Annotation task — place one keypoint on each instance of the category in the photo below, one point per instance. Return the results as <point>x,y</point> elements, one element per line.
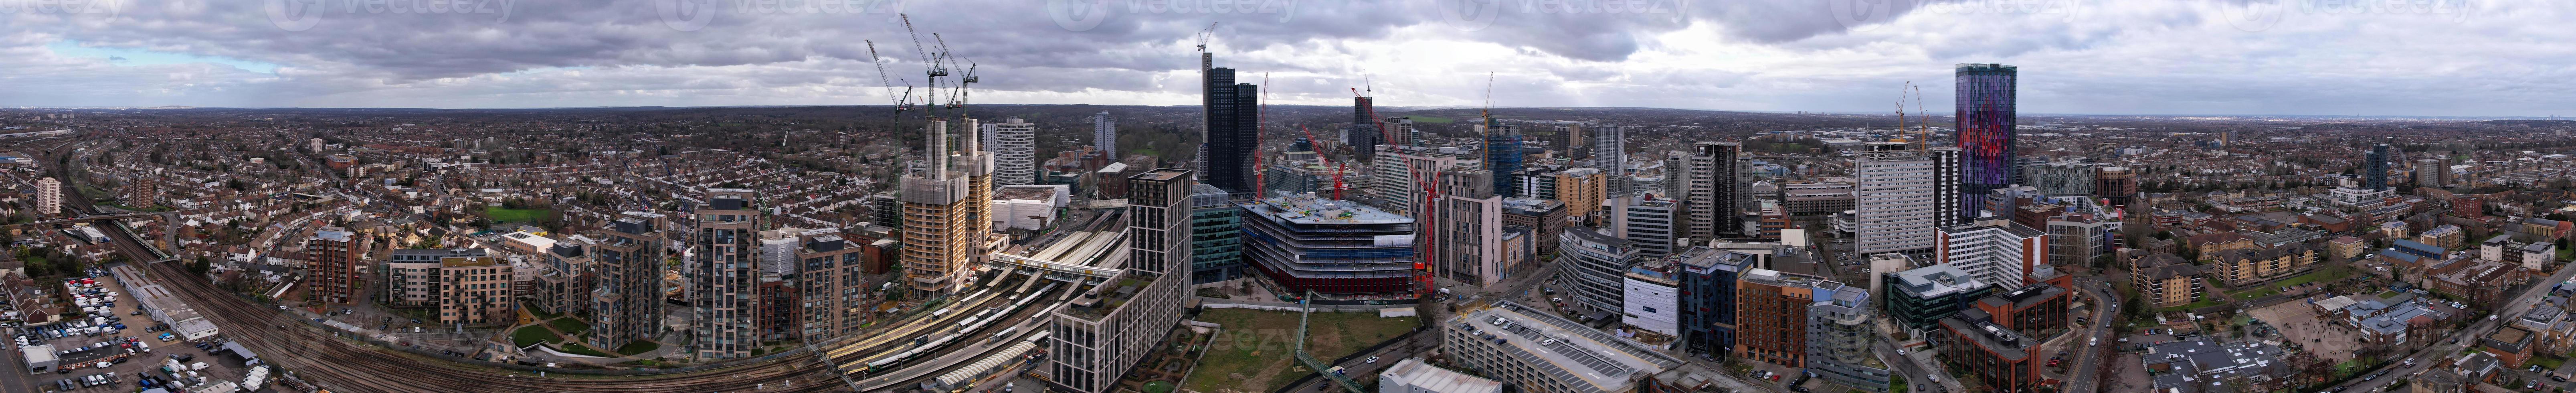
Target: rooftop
<point>1313,210</point>
<point>1936,281</point>
<point>1163,174</point>
<point>1582,354</point>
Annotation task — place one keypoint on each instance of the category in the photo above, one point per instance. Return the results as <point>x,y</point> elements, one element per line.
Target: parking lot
<point>2299,323</point>
<point>138,349</point>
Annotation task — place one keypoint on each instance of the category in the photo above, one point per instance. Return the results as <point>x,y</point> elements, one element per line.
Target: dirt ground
<point>2300,323</point>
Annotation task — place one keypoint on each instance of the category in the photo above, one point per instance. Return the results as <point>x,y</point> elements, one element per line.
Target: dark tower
<point>1363,132</point>
<point>1232,113</point>
<point>1985,129</point>
<point>2375,168</point>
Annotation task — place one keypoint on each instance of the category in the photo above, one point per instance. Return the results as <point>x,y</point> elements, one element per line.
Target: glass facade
<point>1985,128</point>
<point>1233,118</point>
<point>1216,236</point>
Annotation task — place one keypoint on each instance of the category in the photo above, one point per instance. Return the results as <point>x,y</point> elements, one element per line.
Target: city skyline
<point>2211,58</point>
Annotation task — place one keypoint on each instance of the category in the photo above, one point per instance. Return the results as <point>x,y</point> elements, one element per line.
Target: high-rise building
<point>1771,311</point>
<point>1106,330</point>
<point>475,290</point>
<point>1649,221</point>
<point>1364,132</point>
<point>1233,130</point>
<point>1839,333</point>
<point>314,144</point>
<point>1708,280</point>
<point>1400,171</point>
<point>335,254</point>
<point>1610,154</point>
<point>1985,100</point>
<point>1537,351</point>
<point>140,193</point>
<point>1713,190</point>
<point>1544,217</point>
<point>2374,166</point>
<point>832,302</point>
<point>627,305</point>
<point>945,220</point>
<point>2428,172</point>
<point>1015,151</point>
<point>722,287</point>
<point>1895,199</point>
<point>1216,235</point>
<point>1502,157</point>
<point>1104,133</point>
<point>1468,245</point>
<point>2117,184</point>
<point>49,196</point>
<point>1598,260</point>
<point>1583,190</point>
<point>1920,298</point>
<point>2062,178</point>
<point>1996,251</point>
<point>1308,243</point>
<point>1951,202</point>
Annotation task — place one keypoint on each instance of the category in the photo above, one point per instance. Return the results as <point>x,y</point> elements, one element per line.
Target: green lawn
<point>1431,119</point>
<point>2205,302</point>
<point>2548,362</point>
<point>569,326</point>
<point>1252,353</point>
<point>639,346</point>
<point>2321,275</point>
<point>532,335</point>
<point>578,349</point>
<point>514,215</point>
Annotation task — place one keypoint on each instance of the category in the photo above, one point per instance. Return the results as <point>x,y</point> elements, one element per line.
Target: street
<point>2462,338</point>
<point>2081,377</point>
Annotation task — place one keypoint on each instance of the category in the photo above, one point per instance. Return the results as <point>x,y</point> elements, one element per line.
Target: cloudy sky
<point>2321,57</point>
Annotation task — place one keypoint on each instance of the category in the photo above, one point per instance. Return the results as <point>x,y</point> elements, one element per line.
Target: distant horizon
<point>1381,107</point>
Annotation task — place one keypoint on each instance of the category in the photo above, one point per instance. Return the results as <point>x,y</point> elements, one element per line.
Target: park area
<point>522,216</point>
<point>1252,354</point>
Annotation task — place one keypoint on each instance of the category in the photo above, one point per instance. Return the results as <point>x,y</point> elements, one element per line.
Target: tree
<point>201,266</point>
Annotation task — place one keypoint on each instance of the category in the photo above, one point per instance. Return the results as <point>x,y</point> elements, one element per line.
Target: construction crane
<point>1337,180</point>
<point>901,103</point>
<point>1206,60</point>
<point>1489,101</point>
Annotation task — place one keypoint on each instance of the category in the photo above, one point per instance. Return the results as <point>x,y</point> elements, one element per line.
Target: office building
<point>1544,218</point>
<point>1996,251</point>
<point>1712,190</point>
<point>475,290</point>
<point>1308,243</point>
<point>1816,198</point>
<point>1411,375</point>
<point>1598,262</point>
<point>1216,236</point>
<point>1920,298</point>
<point>627,305</point>
<point>1233,126</point>
<point>2037,309</point>
<point>2062,178</point>
<point>1771,314</point>
<point>1106,330</point>
<point>1610,155</point>
<point>1985,100</point>
<point>1364,132</point>
<point>1839,334</point>
<point>2004,359</point>
<point>335,254</point>
<point>1104,133</point>
<point>1708,281</point>
<point>2083,239</point>
<point>1014,145</point>
<point>726,274</point>
<point>1894,198</point>
<point>2118,184</point>
<point>1536,351</point>
<point>1468,246</point>
<point>49,196</point>
<point>411,275</point>
<point>2374,168</point>
<point>946,209</point>
<point>1650,299</point>
<point>1582,190</point>
<point>1649,221</point>
<point>1502,156</point>
<point>1400,171</point>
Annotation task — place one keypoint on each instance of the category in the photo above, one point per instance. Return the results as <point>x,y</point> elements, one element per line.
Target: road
<point>2088,358</point>
<point>2461,339</point>
<point>1914,374</point>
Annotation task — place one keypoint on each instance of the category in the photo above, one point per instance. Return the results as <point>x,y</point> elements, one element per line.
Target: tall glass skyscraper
<point>1985,128</point>
<point>2375,168</point>
<point>1502,157</point>
<point>1233,118</point>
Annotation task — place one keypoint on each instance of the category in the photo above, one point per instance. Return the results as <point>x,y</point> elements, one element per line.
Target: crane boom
<point>899,104</point>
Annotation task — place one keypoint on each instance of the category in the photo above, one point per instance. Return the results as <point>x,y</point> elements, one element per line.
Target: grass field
<point>531,335</point>
<point>1252,353</point>
<point>514,215</point>
<point>569,326</point>
<point>639,346</point>
<point>2321,275</point>
<point>1431,119</point>
<point>2193,305</point>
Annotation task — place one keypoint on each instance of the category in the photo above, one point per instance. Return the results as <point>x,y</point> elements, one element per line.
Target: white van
<point>2097,341</point>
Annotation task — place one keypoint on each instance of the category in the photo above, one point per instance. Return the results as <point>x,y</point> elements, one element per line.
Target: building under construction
<point>1307,242</point>
<point>945,206</point>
